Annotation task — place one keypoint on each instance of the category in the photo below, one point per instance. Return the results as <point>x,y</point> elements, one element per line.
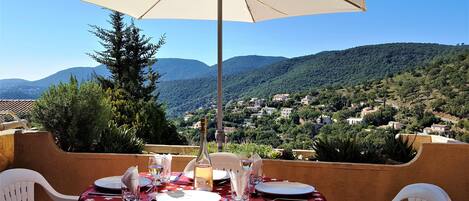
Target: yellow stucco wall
<point>6,149</point>
<point>445,165</point>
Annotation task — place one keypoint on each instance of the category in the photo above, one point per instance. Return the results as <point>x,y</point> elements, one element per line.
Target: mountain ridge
<point>262,76</point>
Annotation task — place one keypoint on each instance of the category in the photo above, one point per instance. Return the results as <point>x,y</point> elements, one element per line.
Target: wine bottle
<point>203,171</point>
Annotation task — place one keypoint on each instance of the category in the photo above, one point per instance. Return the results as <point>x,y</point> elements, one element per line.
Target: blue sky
<point>38,38</point>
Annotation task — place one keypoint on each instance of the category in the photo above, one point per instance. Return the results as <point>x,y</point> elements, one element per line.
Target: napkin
<point>256,165</point>
<point>130,179</point>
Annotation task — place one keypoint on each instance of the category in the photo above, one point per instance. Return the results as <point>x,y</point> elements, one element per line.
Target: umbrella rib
<point>151,7</point>
<point>249,10</point>
<point>356,5</point>
<point>269,6</point>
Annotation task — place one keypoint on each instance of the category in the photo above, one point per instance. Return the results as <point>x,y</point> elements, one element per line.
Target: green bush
<point>398,149</point>
<point>120,140</point>
<point>463,137</point>
<point>76,114</point>
<point>287,154</point>
<point>146,117</point>
<point>346,150</point>
<point>264,151</point>
<point>381,117</point>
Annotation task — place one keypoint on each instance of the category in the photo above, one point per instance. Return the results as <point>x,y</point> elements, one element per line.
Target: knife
<point>177,177</point>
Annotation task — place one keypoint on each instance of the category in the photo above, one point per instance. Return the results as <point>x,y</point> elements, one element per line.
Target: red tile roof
<point>16,105</point>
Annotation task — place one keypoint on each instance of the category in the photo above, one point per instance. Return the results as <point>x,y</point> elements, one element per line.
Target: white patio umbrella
<point>229,10</point>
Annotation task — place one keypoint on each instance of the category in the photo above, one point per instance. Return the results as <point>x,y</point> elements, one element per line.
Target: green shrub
<point>264,151</point>
<point>381,117</point>
<point>346,150</point>
<point>287,154</point>
<point>120,140</point>
<point>398,149</point>
<point>75,114</point>
<point>146,117</point>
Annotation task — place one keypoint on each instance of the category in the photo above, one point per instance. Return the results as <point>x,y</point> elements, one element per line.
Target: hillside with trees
<point>363,118</point>
<point>330,68</point>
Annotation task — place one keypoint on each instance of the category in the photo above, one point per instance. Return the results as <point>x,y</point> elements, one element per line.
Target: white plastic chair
<point>422,192</point>
<point>18,185</point>
<point>220,161</point>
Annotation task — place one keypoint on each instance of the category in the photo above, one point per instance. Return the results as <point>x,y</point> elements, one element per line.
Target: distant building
<point>17,106</point>
<point>286,112</point>
<point>440,129</point>
<point>20,107</point>
<point>188,116</point>
<point>324,119</point>
<point>256,102</point>
<point>229,130</point>
<point>240,103</point>
<point>256,115</point>
<point>367,110</point>
<point>253,108</point>
<point>354,120</point>
<point>280,97</point>
<point>197,125</point>
<point>307,100</point>
<point>395,125</point>
<point>436,128</point>
<point>248,125</point>
<point>427,131</point>
<point>268,110</point>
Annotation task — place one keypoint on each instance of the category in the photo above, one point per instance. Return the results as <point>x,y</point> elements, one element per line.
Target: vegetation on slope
<point>331,68</point>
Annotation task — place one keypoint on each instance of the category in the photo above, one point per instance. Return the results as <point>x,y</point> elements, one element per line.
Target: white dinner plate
<point>191,195</point>
<point>217,175</point>
<point>115,183</point>
<point>284,188</point>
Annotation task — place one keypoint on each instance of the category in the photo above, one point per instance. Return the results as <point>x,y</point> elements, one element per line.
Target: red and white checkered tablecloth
<point>184,183</point>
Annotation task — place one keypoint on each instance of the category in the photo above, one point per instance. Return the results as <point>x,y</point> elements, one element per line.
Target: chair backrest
<point>422,192</point>
<point>18,184</point>
<point>220,161</point>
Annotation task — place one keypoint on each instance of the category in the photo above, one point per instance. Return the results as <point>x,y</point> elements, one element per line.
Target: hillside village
<point>367,110</point>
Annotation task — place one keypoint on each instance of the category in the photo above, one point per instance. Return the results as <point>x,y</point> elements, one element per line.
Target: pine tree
<point>129,55</point>
<point>113,55</point>
<point>140,56</point>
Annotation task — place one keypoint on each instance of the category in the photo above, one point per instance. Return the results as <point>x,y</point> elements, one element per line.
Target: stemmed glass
<point>246,164</point>
<point>155,168</point>
<point>246,161</point>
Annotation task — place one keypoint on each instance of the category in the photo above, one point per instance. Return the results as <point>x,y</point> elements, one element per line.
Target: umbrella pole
<point>220,136</point>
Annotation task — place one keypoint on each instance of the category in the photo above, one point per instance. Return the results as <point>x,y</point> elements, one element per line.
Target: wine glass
<point>246,161</point>
<point>155,168</point>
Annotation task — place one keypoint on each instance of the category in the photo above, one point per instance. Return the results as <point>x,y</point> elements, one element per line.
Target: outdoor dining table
<point>184,183</point>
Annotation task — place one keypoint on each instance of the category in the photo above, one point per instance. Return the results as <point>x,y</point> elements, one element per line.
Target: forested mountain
<point>169,69</point>
<point>242,64</point>
<point>189,84</point>
<point>330,68</point>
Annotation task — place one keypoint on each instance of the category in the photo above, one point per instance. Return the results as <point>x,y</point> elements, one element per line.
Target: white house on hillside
<point>280,97</point>
<point>197,125</point>
<point>286,112</point>
<point>307,100</point>
<point>354,120</point>
<point>395,125</point>
<point>268,110</point>
<point>188,116</point>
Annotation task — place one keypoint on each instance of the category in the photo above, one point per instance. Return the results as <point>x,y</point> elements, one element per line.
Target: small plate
<point>191,195</point>
<point>218,175</point>
<point>284,188</point>
<point>115,183</point>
